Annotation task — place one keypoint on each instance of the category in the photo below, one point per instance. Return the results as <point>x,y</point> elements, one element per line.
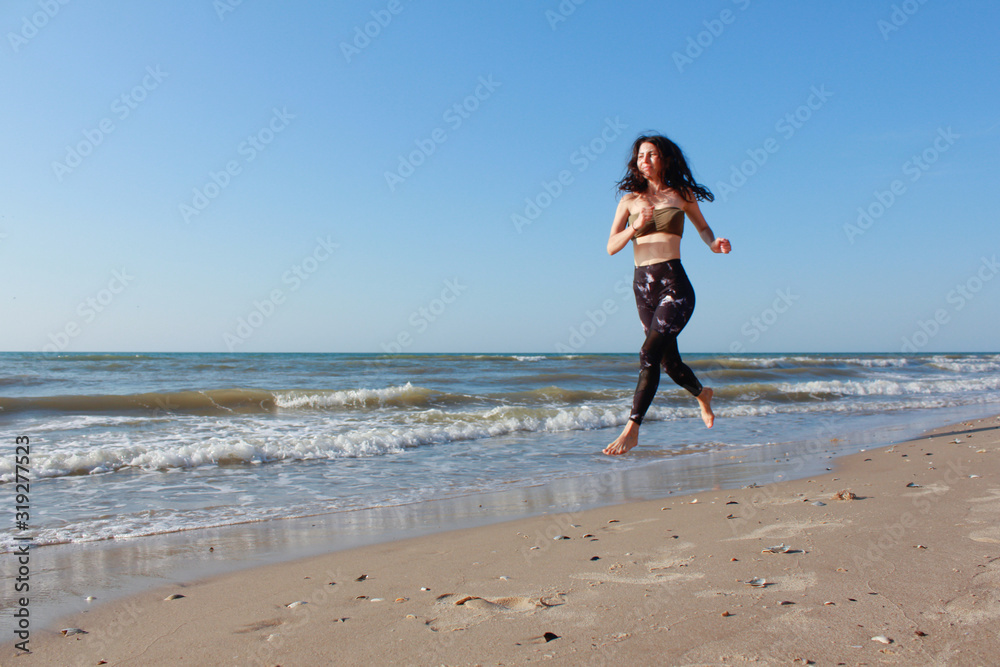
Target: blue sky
<point>415,176</point>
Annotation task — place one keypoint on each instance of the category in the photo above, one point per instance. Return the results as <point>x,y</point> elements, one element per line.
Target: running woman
<point>659,191</point>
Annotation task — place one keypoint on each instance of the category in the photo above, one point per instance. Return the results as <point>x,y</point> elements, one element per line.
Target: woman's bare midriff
<point>656,247</point>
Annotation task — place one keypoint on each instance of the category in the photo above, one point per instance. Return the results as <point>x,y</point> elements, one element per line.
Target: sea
<point>131,445</point>
<point>134,447</point>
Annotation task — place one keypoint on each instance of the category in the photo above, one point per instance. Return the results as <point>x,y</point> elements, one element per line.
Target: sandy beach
<point>904,570</point>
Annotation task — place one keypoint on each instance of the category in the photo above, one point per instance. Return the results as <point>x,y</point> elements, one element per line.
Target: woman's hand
<point>645,217</point>
<point>722,246</point>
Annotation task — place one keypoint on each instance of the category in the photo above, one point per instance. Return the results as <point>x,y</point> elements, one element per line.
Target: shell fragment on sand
<point>66,632</point>
<point>845,494</point>
<point>175,596</point>
<point>758,582</point>
<point>881,639</point>
<point>777,549</point>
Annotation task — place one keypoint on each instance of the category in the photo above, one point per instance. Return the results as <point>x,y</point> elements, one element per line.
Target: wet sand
<point>907,572</point>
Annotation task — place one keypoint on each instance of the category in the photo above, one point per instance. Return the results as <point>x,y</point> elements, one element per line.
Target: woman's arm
<point>621,231</point>
<point>698,220</point>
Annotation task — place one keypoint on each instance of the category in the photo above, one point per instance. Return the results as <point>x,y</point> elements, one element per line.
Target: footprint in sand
<point>259,625</point>
<point>980,605</point>
<point>983,511</point>
<point>458,612</point>
<point>786,530</point>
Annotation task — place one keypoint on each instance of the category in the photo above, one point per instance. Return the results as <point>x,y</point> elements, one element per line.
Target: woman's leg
<point>665,301</point>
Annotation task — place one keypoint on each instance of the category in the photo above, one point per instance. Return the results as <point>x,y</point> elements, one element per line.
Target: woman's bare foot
<point>626,441</point>
<point>705,402</point>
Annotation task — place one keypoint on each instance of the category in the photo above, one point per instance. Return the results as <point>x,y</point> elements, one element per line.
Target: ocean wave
<point>397,396</point>
<point>890,387</point>
<point>214,401</point>
<point>973,366</point>
<point>249,443</point>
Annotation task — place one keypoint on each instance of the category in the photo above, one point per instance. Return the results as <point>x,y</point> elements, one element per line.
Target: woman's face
<point>648,161</point>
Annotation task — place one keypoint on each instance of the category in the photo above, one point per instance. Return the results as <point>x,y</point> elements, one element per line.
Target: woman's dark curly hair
<point>676,173</point>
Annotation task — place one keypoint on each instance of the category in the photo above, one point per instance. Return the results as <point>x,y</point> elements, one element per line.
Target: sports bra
<point>669,219</point>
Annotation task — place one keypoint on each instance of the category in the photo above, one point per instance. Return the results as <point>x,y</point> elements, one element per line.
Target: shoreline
<point>541,589</point>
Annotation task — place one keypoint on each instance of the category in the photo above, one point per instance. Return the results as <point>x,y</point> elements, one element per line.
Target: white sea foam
<point>348,397</point>
<point>891,387</point>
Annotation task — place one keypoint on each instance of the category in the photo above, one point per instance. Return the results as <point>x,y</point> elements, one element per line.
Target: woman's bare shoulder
<point>629,200</point>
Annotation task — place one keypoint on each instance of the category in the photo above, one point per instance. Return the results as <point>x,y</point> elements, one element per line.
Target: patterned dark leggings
<point>665,299</point>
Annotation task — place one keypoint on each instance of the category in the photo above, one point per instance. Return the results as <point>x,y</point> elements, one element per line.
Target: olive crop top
<point>669,219</point>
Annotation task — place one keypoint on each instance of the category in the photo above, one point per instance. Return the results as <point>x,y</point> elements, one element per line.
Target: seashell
<point>362,577</point>
<point>361,597</point>
<point>845,494</point>
<point>377,600</point>
<point>726,614</point>
<point>410,616</point>
<point>401,599</point>
<point>730,517</point>
<point>504,577</point>
<point>90,598</point>
<point>532,548</point>
<point>785,602</point>
<point>424,588</point>
<point>693,502</point>
<point>829,603</point>
<point>956,441</point>
<point>588,535</point>
<point>613,521</point>
<point>297,603</point>
<point>72,631</point>
<point>920,633</point>
<point>819,503</point>
<point>175,596</point>
<point>561,537</point>
<point>882,639</point>
<point>913,485</point>
<point>973,476</point>
<point>777,549</point>
<point>595,558</point>
<point>732,502</point>
<point>461,601</point>
<point>758,582</point>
